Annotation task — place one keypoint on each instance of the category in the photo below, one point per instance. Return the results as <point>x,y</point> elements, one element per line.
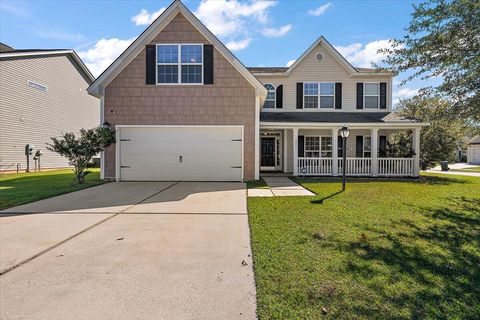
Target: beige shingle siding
<point>229,101</point>
<point>328,70</point>
<point>28,115</point>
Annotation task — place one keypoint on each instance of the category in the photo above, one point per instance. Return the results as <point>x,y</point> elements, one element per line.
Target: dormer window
<point>270,101</point>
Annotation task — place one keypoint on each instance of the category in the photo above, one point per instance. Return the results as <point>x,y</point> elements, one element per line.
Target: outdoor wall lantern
<point>344,132</point>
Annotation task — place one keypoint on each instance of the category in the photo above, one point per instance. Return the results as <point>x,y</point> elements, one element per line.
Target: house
<point>42,95</point>
<point>185,108</point>
<point>473,150</point>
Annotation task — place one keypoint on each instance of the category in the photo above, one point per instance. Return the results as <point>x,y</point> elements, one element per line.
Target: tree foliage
<point>443,40</point>
<point>79,150</point>
<point>439,140</point>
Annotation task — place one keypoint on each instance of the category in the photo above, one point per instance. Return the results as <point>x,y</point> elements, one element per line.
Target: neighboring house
<point>185,108</point>
<point>473,150</point>
<point>461,150</point>
<point>42,95</point>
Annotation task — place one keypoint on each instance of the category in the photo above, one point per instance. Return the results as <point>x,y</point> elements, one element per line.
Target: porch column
<point>285,152</point>
<point>295,151</point>
<point>374,151</point>
<point>335,151</point>
<point>416,149</point>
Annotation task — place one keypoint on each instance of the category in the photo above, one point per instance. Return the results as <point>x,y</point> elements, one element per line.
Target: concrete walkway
<point>280,187</point>
<point>457,166</point>
<point>129,251</point>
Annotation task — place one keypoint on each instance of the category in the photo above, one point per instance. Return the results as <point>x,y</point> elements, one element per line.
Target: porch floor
<point>279,187</point>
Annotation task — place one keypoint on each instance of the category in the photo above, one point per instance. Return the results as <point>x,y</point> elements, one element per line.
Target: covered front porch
<point>316,150</point>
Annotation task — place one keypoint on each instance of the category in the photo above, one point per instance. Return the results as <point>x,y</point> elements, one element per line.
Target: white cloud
<point>50,33</point>
<point>363,56</point>
<point>103,53</point>
<point>145,18</point>
<point>226,18</point>
<point>403,93</point>
<point>239,45</point>
<point>290,62</point>
<point>278,32</point>
<point>320,10</point>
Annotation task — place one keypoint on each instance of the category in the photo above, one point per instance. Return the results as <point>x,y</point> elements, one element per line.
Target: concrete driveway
<point>129,251</point>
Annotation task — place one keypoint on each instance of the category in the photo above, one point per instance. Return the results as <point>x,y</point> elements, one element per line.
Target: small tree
<point>80,150</point>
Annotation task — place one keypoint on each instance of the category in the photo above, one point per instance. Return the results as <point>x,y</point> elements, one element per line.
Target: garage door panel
<point>178,134</point>
<point>207,153</point>
<point>179,147</point>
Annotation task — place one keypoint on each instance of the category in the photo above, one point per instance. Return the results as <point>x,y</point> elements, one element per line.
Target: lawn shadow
<point>428,180</point>
<point>429,267</point>
<point>320,201</point>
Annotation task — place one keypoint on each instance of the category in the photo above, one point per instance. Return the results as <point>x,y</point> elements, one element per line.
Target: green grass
<point>471,169</point>
<point>21,188</point>
<point>401,249</point>
<point>257,184</point>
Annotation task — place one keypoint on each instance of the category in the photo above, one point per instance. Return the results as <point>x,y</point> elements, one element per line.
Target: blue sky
<point>261,33</point>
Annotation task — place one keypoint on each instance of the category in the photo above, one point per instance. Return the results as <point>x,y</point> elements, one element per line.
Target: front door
<point>267,155</point>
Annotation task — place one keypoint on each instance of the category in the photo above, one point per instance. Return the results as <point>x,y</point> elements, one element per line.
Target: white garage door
<point>181,153</point>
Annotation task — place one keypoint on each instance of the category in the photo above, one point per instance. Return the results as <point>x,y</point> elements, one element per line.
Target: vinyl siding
<point>229,101</point>
<point>28,115</point>
<point>328,70</point>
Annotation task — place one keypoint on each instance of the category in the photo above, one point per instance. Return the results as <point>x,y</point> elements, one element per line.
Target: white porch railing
<point>395,166</point>
<point>315,166</point>
<point>357,167</point>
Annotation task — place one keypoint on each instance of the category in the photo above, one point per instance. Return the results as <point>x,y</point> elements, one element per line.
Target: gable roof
<point>338,57</point>
<point>33,53</point>
<point>475,140</point>
<point>96,88</point>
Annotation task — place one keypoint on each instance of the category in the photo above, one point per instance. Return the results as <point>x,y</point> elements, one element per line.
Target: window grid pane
<point>167,74</point>
<point>371,102</point>
<point>312,147</point>
<point>310,102</point>
<point>167,54</point>
<point>310,89</point>
<point>191,54</point>
<point>192,74</point>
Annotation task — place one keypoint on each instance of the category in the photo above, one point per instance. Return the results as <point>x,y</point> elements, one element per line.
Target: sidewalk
<point>454,167</point>
<point>280,187</point>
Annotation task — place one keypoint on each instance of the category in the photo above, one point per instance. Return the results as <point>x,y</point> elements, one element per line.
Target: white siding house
<point>42,95</point>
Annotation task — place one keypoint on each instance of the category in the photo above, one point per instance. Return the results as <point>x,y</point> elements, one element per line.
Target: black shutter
<point>383,146</point>
<point>150,64</point>
<point>338,95</point>
<point>359,95</point>
<point>299,95</point>
<point>279,96</point>
<point>359,149</point>
<point>340,146</point>
<point>207,64</point>
<point>301,146</point>
<point>383,95</point>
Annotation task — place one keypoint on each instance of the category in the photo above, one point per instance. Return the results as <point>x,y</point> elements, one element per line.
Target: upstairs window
<point>179,63</point>
<point>270,101</point>
<point>371,95</point>
<point>318,95</point>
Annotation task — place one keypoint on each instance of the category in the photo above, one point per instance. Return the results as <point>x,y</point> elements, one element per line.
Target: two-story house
<point>185,108</point>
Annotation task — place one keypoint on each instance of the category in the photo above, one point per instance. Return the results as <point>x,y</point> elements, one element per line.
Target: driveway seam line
<point>2,272</point>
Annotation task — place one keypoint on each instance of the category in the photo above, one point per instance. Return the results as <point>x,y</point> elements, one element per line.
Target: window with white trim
<point>271,96</point>
<point>326,147</point>
<point>179,63</point>
<point>371,95</point>
<point>318,146</point>
<point>318,95</point>
<point>367,147</point>
<point>312,147</point>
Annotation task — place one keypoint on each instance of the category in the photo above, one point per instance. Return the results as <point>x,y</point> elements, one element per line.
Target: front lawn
<point>381,250</point>
<point>20,188</point>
